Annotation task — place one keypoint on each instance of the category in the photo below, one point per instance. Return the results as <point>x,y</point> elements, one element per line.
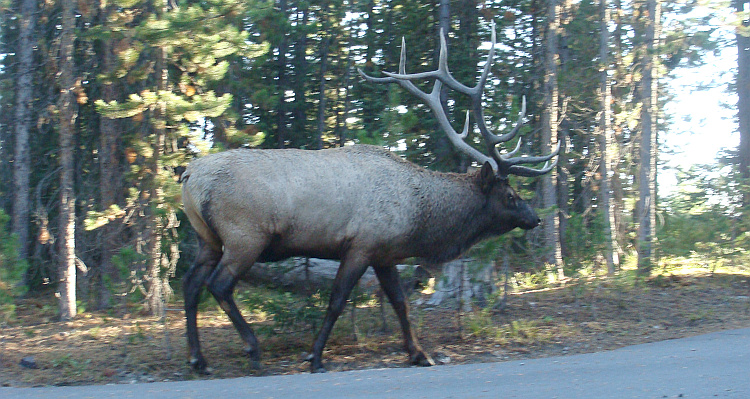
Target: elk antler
<point>503,164</point>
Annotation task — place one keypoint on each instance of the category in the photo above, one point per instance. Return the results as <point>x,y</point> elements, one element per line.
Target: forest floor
<point>579,316</point>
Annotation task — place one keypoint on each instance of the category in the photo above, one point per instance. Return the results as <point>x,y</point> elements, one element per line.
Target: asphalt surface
<point>706,366</point>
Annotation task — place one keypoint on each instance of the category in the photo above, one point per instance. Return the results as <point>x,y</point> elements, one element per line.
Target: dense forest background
<point>105,102</point>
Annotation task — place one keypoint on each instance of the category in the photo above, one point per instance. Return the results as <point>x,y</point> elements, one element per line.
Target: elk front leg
<point>351,270</point>
<point>391,285</point>
<point>192,284</point>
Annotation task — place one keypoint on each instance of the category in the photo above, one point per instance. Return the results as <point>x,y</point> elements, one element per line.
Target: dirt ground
<point>584,315</point>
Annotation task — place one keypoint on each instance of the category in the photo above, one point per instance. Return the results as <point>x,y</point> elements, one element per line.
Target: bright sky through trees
<point>703,113</point>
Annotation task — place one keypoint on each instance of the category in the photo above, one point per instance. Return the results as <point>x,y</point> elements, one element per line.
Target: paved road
<point>706,366</point>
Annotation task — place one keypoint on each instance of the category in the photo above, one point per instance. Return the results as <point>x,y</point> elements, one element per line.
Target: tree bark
<point>743,94</point>
<point>550,135</point>
<point>647,182</point>
<point>23,106</point>
<point>619,99</point>
<point>344,132</point>
<point>155,226</point>
<point>301,77</point>
<point>281,117</point>
<point>322,95</point>
<point>108,175</point>
<point>306,275</point>
<point>606,139</point>
<point>444,151</point>
<point>67,116</point>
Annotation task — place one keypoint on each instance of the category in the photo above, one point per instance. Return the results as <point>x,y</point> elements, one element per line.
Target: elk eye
<point>511,199</point>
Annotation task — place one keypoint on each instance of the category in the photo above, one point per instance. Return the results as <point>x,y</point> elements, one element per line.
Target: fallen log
<point>461,278</point>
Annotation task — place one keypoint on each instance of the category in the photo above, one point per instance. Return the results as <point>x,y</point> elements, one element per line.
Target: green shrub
<point>287,311</point>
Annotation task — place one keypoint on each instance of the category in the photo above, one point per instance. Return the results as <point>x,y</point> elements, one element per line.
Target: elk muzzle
<point>528,217</point>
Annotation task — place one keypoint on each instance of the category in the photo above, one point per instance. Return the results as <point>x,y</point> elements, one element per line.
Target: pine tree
<point>66,121</point>
<point>743,89</point>
<point>172,57</point>
<point>23,110</point>
<point>550,135</point>
<point>646,216</point>
<point>606,139</point>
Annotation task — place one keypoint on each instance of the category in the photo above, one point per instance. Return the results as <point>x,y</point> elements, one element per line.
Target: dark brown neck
<point>453,217</point>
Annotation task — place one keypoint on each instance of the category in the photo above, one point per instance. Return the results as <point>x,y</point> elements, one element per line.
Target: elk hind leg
<point>391,285</point>
<point>221,285</point>
<point>192,285</point>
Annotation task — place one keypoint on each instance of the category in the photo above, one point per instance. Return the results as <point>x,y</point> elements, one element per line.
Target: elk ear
<point>486,177</point>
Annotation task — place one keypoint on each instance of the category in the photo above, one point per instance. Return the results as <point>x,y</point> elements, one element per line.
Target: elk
<point>359,204</point>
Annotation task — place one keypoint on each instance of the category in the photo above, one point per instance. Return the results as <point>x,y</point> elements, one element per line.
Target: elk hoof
<point>254,355</point>
<point>318,370</point>
<point>255,364</point>
<point>200,366</point>
<point>422,359</point>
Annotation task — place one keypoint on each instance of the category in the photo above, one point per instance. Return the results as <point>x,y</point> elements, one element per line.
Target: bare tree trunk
<point>649,92</point>
<point>301,77</point>
<point>564,125</point>
<point>344,133</point>
<point>743,94</point>
<point>108,177</point>
<point>607,140</point>
<point>281,117</point>
<point>550,135</point>
<point>444,21</point>
<point>444,150</point>
<point>618,194</point>
<point>66,108</point>
<point>322,95</point>
<point>24,103</point>
<point>155,226</point>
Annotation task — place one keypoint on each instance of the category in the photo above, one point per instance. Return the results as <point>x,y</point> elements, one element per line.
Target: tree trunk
<point>281,117</point>
<point>606,139</point>
<point>564,125</point>
<point>743,94</point>
<point>301,76</point>
<point>444,151</point>
<point>550,136</point>
<point>322,94</point>
<point>618,194</point>
<point>647,207</point>
<point>155,226</point>
<point>465,281</point>
<point>67,115</point>
<point>307,275</point>
<point>108,176</point>
<point>344,132</point>
<point>468,16</point>
<point>23,106</point>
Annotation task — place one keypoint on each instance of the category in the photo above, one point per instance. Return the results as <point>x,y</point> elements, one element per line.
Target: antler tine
<point>527,159</point>
<point>465,132</point>
<point>490,138</point>
<point>515,150</point>
<point>510,166</point>
<point>442,73</point>
<point>494,139</point>
<point>525,171</point>
<point>402,59</point>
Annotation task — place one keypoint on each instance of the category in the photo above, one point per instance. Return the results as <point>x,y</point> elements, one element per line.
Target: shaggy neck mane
<point>453,215</point>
